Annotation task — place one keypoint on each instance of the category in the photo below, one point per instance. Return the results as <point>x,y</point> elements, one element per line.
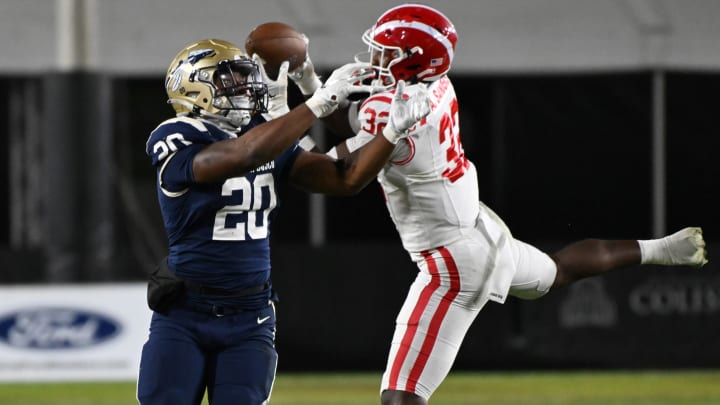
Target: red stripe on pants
<point>435,322</point>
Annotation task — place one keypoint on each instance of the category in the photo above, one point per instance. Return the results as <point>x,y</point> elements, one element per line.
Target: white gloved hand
<point>344,81</point>
<point>304,75</point>
<point>405,111</point>
<point>277,89</point>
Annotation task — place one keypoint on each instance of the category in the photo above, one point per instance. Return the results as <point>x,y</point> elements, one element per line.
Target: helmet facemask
<point>239,90</point>
<point>382,58</point>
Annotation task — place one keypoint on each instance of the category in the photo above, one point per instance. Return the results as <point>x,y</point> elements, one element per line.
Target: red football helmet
<point>411,42</point>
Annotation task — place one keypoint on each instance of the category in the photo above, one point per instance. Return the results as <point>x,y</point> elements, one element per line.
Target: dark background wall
<point>560,157</point>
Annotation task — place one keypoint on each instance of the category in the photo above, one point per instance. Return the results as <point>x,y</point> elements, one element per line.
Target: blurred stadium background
<point>585,118</point>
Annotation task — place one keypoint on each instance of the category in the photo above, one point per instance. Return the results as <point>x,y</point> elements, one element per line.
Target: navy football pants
<point>233,356</point>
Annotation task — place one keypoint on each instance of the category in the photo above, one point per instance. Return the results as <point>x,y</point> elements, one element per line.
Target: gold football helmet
<point>215,79</point>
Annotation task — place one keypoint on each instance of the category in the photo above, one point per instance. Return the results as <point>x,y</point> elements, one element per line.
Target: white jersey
<point>431,189</point>
<point>464,252</point>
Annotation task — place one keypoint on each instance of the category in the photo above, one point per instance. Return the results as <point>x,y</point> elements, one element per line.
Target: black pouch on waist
<point>163,288</point>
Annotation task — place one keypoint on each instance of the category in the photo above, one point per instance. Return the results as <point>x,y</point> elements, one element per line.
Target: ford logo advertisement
<point>56,328</point>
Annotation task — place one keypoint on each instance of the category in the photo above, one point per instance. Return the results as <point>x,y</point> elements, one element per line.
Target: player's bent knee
<point>539,283</point>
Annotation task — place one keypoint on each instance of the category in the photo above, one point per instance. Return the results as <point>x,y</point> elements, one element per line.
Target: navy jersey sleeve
<point>290,156</point>
<point>177,172</point>
<point>173,145</point>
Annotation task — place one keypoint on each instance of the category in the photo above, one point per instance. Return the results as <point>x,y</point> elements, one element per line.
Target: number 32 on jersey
<point>448,136</point>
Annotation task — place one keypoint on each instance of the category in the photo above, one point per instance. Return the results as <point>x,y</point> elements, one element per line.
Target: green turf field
<point>556,388</point>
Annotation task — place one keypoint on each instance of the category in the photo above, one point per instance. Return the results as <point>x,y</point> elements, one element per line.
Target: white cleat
<point>686,247</point>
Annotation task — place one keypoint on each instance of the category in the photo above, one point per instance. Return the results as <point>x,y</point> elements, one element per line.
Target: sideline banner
<point>87,332</point>
<point>639,318</point>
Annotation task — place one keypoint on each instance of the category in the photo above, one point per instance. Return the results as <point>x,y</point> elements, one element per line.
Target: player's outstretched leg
<point>685,247</point>
<point>591,257</point>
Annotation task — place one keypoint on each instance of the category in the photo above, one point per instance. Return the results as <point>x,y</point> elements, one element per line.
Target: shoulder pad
<point>177,133</point>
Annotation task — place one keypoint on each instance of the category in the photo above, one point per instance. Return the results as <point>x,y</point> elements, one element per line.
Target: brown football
<point>276,42</point>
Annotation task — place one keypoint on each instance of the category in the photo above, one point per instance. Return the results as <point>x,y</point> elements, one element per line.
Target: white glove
<point>405,111</point>
<point>344,81</point>
<point>304,75</point>
<point>277,89</point>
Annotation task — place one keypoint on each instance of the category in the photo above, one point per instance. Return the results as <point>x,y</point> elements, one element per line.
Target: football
<point>276,42</point>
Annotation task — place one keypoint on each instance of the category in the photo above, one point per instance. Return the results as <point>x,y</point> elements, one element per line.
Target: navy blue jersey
<point>219,233</point>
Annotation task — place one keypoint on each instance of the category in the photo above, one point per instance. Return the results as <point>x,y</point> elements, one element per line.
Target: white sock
<point>654,251</point>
